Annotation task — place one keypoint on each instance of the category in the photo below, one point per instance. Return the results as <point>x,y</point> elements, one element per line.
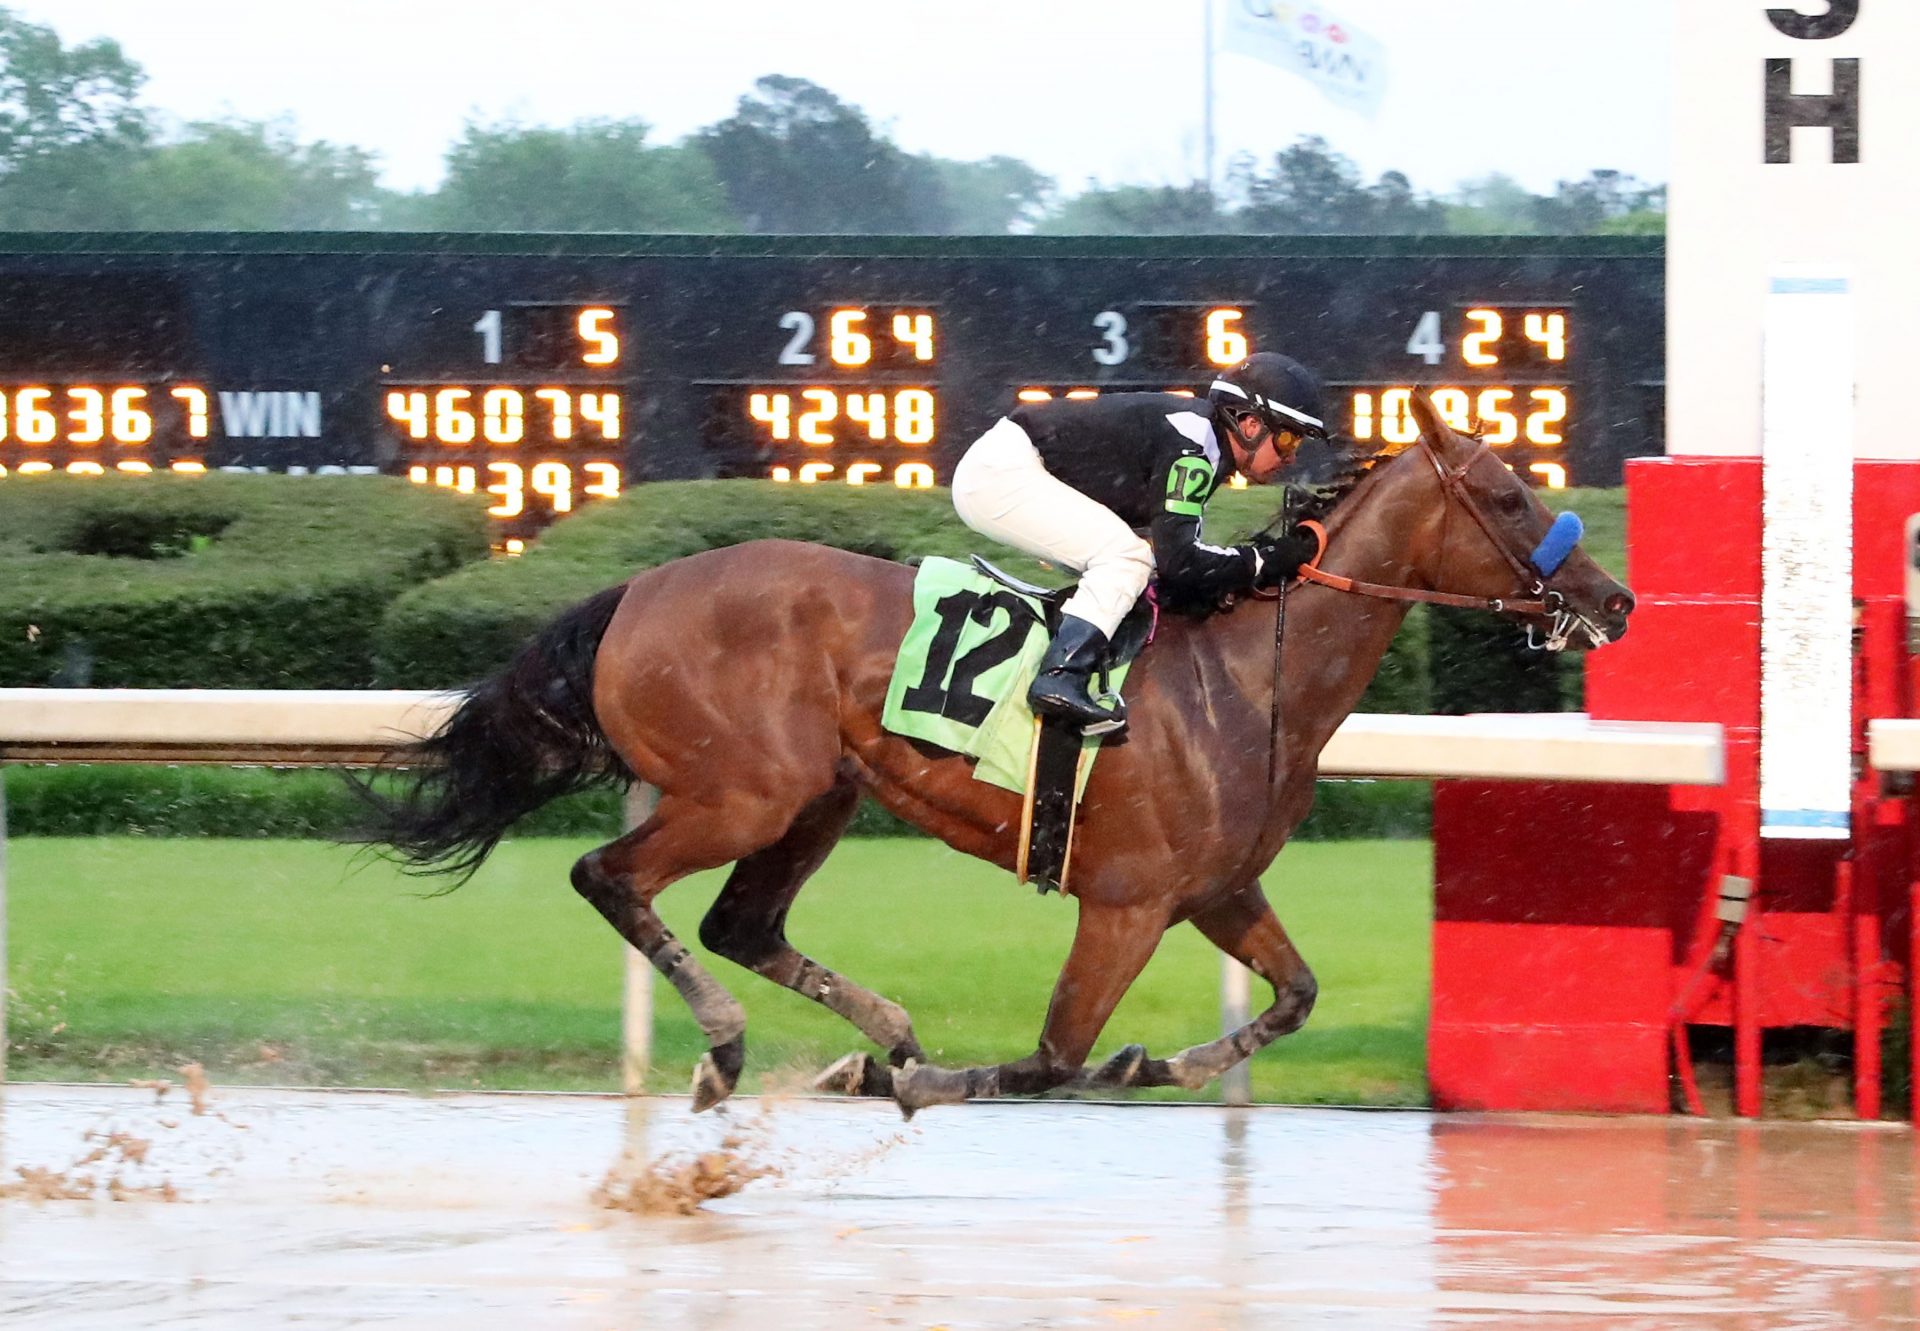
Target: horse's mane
<point>1319,500</point>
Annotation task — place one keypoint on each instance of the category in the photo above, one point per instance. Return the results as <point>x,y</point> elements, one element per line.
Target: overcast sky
<point>1082,89</point>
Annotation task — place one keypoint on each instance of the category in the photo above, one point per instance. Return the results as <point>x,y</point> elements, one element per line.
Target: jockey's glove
<point>1279,556</point>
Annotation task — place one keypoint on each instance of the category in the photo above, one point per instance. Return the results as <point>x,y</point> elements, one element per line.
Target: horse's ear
<point>1431,426</point>
<point>1443,438</point>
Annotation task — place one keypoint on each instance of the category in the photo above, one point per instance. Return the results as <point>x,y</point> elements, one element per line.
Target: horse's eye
<point>1511,502</point>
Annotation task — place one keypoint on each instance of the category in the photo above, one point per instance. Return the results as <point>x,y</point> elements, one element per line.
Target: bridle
<point>1532,596</point>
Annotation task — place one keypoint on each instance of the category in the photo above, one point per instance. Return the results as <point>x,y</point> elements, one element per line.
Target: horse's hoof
<point>856,1074</point>
<point>717,1073</point>
<point>1123,1069</point>
<point>918,1085</point>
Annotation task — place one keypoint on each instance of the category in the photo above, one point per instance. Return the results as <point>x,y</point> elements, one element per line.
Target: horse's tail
<point>521,738</point>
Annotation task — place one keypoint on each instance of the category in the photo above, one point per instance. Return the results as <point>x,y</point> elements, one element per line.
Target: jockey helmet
<point>1281,391</point>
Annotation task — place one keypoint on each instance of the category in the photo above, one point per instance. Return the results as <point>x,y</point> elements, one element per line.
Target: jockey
<point>1072,481</point>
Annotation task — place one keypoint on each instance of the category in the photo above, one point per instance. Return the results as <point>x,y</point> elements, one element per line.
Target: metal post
<point>636,1005</point>
<point>1206,92</point>
<point>1236,1083</point>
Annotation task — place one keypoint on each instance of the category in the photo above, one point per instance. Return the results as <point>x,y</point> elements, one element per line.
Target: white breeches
<point>1002,489</point>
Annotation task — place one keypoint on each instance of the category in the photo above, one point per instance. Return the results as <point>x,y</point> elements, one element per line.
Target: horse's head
<point>1494,540</point>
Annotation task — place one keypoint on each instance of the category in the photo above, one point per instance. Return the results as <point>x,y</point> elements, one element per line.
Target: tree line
<point>79,151</point>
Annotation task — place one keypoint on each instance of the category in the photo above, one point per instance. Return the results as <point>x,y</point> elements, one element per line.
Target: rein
<point>1533,597</point>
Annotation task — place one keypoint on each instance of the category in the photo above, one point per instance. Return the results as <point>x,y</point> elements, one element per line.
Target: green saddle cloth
<point>962,674</point>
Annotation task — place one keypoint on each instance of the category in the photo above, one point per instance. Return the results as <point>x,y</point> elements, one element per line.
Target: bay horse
<point>745,686</point>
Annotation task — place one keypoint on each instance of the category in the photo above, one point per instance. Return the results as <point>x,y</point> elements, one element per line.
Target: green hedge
<point>219,581</point>
<point>460,628</point>
<point>255,802</point>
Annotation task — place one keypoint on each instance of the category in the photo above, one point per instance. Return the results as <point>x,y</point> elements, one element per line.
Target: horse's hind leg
<point>1245,928</point>
<point>747,925</point>
<point>621,880</point>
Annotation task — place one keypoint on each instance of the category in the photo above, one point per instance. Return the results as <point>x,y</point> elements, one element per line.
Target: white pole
<point>636,1006</point>
<point>3,925</point>
<point>1206,92</point>
<point>1236,1083</point>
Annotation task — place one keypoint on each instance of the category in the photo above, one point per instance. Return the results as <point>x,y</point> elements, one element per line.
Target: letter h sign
<point>1838,111</point>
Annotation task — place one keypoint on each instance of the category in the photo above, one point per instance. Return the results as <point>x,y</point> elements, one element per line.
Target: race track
<point>329,1210</point>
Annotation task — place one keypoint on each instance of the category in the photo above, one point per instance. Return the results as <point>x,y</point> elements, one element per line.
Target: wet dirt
<point>343,1209</point>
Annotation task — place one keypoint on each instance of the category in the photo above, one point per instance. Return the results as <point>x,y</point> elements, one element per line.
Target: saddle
<point>1053,767</point>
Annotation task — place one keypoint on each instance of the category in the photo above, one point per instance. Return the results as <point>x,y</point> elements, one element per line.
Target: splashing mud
<point>113,1161</point>
<point>99,1171</point>
<point>682,1182</point>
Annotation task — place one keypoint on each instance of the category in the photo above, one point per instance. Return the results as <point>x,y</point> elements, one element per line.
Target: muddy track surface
<point>217,1208</point>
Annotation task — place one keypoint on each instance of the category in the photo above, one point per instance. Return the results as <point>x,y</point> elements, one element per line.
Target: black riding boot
<point>1063,686</point>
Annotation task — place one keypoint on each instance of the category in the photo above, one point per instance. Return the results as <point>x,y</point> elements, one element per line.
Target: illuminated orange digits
<point>603,341</point>
<point>560,417</point>
<point>554,480</point>
<point>195,401</point>
<point>848,345</point>
<point>410,409</point>
<point>90,417</point>
<point>916,331</point>
<point>1363,415</point>
<point>453,423</point>
<point>132,423</point>
<point>1549,329</point>
<point>606,480</point>
<point>913,476</point>
<point>32,422</point>
<point>1500,426</point>
<point>1553,410</point>
<point>1473,347</point>
<point>1397,425</point>
<point>603,409</point>
<point>870,410</point>
<point>503,416</point>
<point>913,416</point>
<point>826,405</point>
<point>773,410</point>
<point>510,490</point>
<point>1226,345</point>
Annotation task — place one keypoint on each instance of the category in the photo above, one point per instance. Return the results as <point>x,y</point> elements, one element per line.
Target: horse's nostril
<point>1620,603</point>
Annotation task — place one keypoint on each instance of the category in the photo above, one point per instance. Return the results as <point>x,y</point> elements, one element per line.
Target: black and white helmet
<point>1281,391</point>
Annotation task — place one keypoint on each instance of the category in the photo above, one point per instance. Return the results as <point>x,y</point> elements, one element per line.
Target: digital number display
<point>549,373</point>
<point>1178,337</point>
<point>875,421</point>
<point>538,448</point>
<point>91,429</point>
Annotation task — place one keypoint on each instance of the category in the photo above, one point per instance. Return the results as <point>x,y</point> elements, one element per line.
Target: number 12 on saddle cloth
<point>962,674</point>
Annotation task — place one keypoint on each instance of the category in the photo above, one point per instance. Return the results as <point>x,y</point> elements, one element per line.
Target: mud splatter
<point>681,1182</point>
<point>198,1089</point>
<point>98,1172</point>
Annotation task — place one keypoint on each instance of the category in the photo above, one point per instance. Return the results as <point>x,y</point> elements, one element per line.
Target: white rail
<point>352,728</point>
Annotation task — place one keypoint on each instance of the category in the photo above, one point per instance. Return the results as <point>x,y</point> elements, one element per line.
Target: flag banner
<point>1346,65</point>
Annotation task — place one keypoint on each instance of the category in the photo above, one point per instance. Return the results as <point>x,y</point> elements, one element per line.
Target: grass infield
<point>290,962</point>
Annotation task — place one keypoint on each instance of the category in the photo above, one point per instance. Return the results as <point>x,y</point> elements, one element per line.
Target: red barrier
<point>1580,929</point>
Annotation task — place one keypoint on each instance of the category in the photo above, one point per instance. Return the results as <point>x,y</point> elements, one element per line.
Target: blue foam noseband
<point>1557,544</point>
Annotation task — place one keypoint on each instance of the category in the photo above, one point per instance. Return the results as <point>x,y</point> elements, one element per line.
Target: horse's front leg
<point>1110,946</point>
<point>1243,926</point>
